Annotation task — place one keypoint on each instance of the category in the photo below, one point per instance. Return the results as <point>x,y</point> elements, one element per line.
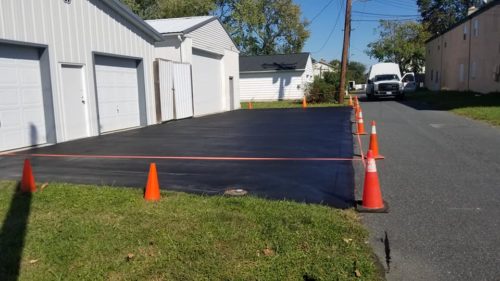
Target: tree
<point>155,9</point>
<point>439,15</point>
<point>263,27</point>
<point>402,43</point>
<point>356,72</point>
<point>258,27</point>
<point>335,65</point>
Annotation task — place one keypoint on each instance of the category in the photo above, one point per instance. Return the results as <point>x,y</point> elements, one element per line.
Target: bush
<point>322,91</point>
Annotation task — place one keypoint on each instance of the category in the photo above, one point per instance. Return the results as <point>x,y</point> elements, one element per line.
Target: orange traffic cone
<point>28,180</point>
<point>372,196</point>
<point>374,142</point>
<point>304,102</point>
<point>356,101</point>
<point>350,101</point>
<point>360,125</point>
<point>250,105</point>
<point>152,192</point>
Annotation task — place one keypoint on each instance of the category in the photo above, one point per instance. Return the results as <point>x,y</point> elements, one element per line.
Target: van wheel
<point>369,97</point>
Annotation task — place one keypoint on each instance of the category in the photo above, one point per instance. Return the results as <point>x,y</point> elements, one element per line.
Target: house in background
<point>275,77</point>
<point>467,56</point>
<point>203,43</point>
<point>320,67</point>
<point>75,69</point>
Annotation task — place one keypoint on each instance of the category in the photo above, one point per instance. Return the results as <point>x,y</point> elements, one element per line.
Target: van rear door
<point>409,84</point>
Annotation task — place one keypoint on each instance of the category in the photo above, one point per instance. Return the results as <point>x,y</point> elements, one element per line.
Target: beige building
<point>467,56</point>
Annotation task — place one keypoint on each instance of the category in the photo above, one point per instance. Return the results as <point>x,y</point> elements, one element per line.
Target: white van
<point>384,80</point>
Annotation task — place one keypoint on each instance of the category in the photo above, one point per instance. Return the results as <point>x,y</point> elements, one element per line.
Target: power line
<point>333,29</point>
<point>377,20</point>
<point>384,15</point>
<point>321,11</point>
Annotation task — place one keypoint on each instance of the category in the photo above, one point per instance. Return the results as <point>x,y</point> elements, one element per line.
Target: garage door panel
<point>8,97</point>
<point>11,119</point>
<point>117,93</point>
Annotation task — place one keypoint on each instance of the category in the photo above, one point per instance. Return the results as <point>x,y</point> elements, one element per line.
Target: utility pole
<point>345,50</point>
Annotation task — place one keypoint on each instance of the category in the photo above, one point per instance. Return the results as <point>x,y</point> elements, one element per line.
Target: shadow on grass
<point>450,100</point>
<point>12,235</point>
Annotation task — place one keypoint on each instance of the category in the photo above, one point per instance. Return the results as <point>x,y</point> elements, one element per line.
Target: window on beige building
<point>476,27</point>
<point>465,31</point>
<point>473,70</point>
<point>462,72</point>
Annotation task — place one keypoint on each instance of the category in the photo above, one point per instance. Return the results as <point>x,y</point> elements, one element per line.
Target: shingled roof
<point>288,62</point>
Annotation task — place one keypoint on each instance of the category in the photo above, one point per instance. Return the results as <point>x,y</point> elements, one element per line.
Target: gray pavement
<point>441,177</point>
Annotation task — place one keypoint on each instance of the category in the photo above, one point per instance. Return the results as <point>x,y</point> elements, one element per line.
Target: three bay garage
<point>73,69</point>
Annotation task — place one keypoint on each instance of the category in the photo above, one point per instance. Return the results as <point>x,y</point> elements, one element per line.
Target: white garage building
<point>80,68</point>
<point>203,43</point>
<point>275,77</point>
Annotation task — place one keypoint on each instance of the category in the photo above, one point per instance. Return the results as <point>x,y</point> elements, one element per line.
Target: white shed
<point>203,43</point>
<point>73,69</point>
<point>275,77</point>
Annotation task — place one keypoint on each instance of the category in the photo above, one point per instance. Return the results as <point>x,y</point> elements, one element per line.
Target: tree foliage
<point>156,9</point>
<point>356,72</point>
<point>256,26</point>
<point>402,43</point>
<point>439,15</point>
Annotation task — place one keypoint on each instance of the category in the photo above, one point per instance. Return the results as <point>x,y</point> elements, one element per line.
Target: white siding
<point>231,62</point>
<point>267,86</point>
<point>281,85</point>
<point>72,32</point>
<point>212,38</point>
<point>170,49</point>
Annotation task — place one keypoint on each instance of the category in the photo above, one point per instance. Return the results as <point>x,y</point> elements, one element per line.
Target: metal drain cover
<point>235,192</point>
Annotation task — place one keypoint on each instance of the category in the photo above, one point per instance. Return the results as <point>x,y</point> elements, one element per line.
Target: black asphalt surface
<point>441,178</point>
<point>315,132</point>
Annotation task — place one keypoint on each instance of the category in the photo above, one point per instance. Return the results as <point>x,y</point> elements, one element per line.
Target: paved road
<point>315,132</point>
<point>441,177</point>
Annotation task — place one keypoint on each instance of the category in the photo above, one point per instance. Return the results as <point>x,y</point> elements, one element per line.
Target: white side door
<point>22,116</point>
<point>74,101</point>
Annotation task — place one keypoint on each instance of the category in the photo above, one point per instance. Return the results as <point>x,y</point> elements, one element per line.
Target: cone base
<point>378,157</point>
<point>361,209</point>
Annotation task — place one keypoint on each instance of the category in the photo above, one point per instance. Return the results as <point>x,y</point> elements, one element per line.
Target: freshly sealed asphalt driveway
<point>283,133</point>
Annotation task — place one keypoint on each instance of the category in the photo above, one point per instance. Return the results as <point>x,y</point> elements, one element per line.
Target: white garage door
<point>22,118</point>
<point>207,94</point>
<point>117,93</point>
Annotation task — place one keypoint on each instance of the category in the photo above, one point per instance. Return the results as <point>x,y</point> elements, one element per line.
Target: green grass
<point>286,104</point>
<point>79,232</point>
<point>472,105</point>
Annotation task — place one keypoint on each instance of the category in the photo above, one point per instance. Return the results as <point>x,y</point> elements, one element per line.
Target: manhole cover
<point>235,192</point>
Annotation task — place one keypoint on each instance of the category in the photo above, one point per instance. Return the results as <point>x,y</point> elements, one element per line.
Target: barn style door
<point>176,93</point>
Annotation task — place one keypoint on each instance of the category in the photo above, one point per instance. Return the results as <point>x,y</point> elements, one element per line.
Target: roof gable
<point>286,62</point>
<point>179,25</point>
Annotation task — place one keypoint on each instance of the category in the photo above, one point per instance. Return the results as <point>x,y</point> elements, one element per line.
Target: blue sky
<point>363,32</point>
